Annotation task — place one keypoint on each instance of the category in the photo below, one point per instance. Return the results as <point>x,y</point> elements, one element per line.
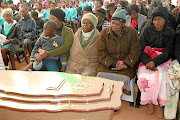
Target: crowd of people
<point>112,39</point>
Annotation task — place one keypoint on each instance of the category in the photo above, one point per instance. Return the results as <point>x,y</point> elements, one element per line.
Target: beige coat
<point>83,61</point>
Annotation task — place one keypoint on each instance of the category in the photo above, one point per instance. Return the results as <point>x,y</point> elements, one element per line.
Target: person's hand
<point>175,10</point>
<point>63,68</point>
<point>6,42</point>
<point>30,65</point>
<point>151,66</point>
<point>38,58</point>
<point>43,53</point>
<point>120,67</point>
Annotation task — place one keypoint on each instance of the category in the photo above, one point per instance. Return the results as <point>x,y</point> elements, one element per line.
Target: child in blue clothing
<point>83,3</point>
<point>71,13</point>
<point>48,41</point>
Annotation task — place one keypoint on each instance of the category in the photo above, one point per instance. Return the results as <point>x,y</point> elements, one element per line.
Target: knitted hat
<point>58,13</point>
<point>7,11</point>
<point>100,11</point>
<point>111,6</point>
<point>132,7</point>
<point>160,11</point>
<point>90,17</point>
<point>119,14</point>
<point>87,8</point>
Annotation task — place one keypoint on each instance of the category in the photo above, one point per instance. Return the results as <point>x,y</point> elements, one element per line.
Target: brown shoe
<point>126,92</point>
<point>150,109</point>
<point>159,111</point>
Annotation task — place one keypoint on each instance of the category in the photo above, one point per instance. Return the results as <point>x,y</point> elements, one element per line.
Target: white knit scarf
<point>87,35</point>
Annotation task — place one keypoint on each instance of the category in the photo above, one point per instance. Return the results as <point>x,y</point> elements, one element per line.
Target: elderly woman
<point>118,50</point>
<point>134,18</point>
<point>11,30</point>
<point>156,50</point>
<point>83,57</point>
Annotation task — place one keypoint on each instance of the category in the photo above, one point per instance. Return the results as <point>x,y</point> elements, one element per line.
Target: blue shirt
<point>71,13</point>
<point>1,23</point>
<point>83,4</point>
<point>7,27</point>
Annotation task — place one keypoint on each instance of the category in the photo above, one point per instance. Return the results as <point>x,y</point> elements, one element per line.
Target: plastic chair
<point>130,98</point>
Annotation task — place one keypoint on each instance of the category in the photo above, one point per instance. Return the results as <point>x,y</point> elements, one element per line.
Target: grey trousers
<point>116,77</point>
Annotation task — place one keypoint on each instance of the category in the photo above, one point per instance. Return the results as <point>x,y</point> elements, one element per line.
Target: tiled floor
<point>125,113</point>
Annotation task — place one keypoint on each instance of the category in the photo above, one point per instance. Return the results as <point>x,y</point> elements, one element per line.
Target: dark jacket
<point>39,25</point>
<point>177,46</point>
<point>28,27</point>
<point>79,11</point>
<point>158,39</point>
<point>15,37</point>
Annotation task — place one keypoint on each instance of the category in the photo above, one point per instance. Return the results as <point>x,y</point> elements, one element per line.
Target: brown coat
<point>83,61</point>
<point>125,48</point>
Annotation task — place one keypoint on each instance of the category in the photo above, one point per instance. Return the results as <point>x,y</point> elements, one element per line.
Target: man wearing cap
<point>118,50</point>
<point>87,9</point>
<point>57,15</point>
<point>102,23</point>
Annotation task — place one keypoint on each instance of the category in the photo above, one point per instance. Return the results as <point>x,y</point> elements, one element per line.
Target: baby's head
<point>50,28</point>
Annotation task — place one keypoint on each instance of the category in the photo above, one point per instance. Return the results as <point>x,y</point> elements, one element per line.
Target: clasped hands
<point>119,67</point>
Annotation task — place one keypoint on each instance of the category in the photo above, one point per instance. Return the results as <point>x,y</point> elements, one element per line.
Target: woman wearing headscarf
<point>134,18</point>
<point>83,57</point>
<point>121,5</point>
<point>11,29</point>
<point>141,8</point>
<point>156,50</point>
<point>118,50</point>
<point>111,8</point>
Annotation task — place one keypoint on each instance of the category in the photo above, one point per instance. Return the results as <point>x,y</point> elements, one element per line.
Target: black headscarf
<point>132,7</point>
<point>142,9</point>
<point>58,13</point>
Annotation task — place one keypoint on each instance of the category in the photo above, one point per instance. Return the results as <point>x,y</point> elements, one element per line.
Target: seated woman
<point>134,18</point>
<point>156,50</point>
<point>58,16</point>
<point>118,50</point>
<point>141,8</point>
<point>83,57</point>
<point>11,29</point>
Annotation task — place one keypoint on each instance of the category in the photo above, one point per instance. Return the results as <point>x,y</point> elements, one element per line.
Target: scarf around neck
<point>87,35</point>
